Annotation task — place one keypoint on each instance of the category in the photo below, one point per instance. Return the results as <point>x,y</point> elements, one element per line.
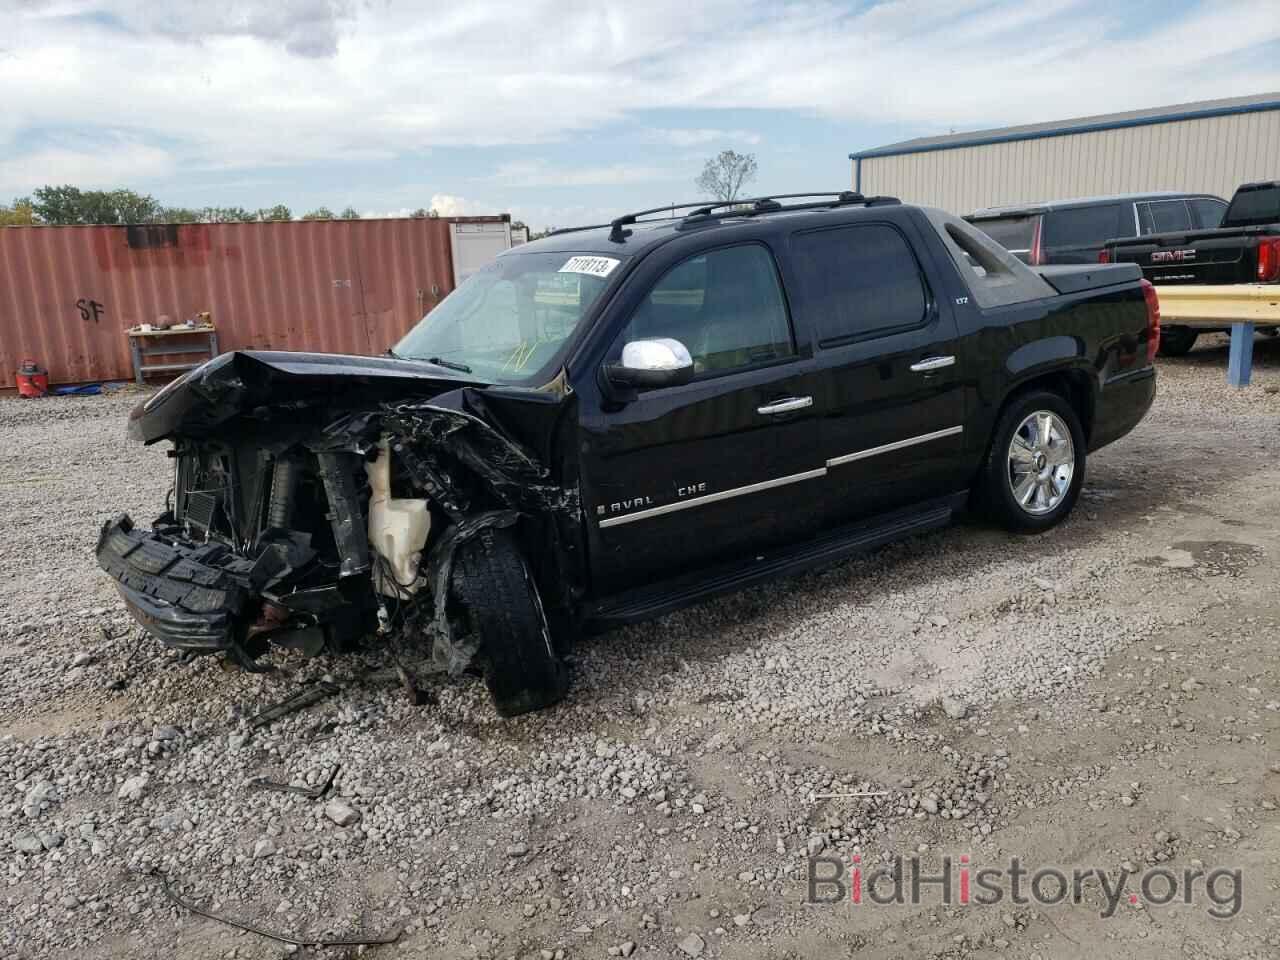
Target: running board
<point>652,601</point>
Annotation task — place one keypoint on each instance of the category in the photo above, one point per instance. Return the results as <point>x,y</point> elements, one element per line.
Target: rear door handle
<point>789,405</point>
<point>929,364</point>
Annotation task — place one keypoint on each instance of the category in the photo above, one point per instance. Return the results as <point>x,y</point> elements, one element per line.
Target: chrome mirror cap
<point>654,355</point>
<point>661,362</point>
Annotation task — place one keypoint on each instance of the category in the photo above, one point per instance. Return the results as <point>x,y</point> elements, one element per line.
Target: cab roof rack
<point>703,212</point>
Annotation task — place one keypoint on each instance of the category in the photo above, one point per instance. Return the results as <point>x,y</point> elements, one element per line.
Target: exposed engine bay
<point>331,510</point>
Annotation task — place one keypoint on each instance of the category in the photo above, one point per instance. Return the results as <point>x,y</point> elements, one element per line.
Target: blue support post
<point>1240,360</point>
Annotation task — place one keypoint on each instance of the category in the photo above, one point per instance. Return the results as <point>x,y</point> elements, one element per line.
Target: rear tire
<point>1035,467</point>
<point>492,582</point>
<point>1177,341</point>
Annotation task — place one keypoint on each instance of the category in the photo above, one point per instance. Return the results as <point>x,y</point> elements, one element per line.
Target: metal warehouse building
<point>1207,147</point>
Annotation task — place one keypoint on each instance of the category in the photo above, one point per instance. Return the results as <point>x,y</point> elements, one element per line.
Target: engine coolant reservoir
<point>398,528</point>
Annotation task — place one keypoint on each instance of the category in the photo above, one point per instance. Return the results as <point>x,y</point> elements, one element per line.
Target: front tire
<point>1036,463</point>
<point>521,668</point>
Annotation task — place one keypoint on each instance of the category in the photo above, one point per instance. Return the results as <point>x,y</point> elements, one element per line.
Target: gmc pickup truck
<point>1245,248</point>
<point>613,422</point>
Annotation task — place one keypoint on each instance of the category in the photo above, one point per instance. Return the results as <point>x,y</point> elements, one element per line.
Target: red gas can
<point>32,379</point>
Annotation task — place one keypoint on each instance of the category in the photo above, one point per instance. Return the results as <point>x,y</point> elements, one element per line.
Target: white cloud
<point>686,137</point>
<point>307,28</point>
<point>444,204</point>
<point>86,162</point>
<point>450,206</point>
<point>245,86</point>
<point>539,173</point>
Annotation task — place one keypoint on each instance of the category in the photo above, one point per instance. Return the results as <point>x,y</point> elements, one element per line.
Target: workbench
<point>139,349</point>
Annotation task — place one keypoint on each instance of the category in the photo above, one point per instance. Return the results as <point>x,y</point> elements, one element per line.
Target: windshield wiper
<point>449,364</point>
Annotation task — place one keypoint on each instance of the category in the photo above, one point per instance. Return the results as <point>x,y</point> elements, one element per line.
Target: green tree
<point>278,212</point>
<point>63,204</point>
<point>130,207</point>
<point>66,204</point>
<point>319,213</point>
<point>420,214</point>
<point>20,213</point>
<point>227,215</point>
<point>724,175</point>
<point>180,215</point>
<point>350,213</point>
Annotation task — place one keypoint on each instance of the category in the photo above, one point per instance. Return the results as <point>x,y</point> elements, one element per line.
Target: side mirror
<point>652,363</point>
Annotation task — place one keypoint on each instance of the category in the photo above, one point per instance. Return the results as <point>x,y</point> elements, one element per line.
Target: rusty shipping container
<point>68,294</point>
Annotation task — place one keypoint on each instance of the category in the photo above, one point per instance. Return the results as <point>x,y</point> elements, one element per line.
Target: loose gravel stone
<point>28,843</point>
<point>134,787</point>
<point>692,945</point>
<point>40,796</point>
<point>341,813</point>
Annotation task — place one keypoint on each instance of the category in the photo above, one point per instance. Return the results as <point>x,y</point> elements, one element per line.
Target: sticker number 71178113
<point>593,266</point>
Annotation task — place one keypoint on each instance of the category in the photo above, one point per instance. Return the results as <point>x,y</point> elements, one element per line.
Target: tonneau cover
<point>1075,279</point>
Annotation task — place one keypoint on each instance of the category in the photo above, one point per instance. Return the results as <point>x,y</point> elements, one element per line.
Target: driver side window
<point>725,306</point>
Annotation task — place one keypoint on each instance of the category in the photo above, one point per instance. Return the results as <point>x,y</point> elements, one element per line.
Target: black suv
<point>1075,231</point>
<point>609,423</point>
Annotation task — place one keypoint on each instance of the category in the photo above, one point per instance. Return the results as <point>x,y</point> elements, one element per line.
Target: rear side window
<point>1013,233</point>
<point>1206,214</point>
<point>1164,216</point>
<point>1083,227</point>
<point>725,306</point>
<point>858,281</point>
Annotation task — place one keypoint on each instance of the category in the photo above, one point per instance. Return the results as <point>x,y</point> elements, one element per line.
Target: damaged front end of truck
<point>320,500</point>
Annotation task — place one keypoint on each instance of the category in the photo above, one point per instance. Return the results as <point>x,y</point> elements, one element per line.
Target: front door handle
<point>789,405</point>
<point>929,364</point>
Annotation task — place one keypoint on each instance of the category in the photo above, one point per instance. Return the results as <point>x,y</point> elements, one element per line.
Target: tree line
<point>723,177</point>
<point>70,205</point>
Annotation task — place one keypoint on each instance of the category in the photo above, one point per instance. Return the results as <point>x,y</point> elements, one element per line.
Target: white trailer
<point>474,243</point>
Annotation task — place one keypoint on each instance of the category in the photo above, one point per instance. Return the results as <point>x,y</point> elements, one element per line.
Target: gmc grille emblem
<point>1173,256</point>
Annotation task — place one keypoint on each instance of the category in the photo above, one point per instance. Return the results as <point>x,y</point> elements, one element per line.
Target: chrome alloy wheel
<point>1042,462</point>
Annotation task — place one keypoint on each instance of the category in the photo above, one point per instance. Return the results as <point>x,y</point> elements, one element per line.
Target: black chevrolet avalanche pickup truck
<point>614,422</point>
<point>1244,248</point>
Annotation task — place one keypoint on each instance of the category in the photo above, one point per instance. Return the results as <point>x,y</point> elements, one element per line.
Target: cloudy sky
<point>565,112</point>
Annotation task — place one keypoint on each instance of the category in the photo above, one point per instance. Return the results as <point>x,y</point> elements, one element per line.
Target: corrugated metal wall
<point>1210,155</point>
<point>67,294</point>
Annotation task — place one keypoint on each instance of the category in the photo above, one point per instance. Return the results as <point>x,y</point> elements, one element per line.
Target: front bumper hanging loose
<point>187,595</point>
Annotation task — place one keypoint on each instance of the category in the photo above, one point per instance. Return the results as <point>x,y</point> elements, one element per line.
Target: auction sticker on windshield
<point>593,266</point>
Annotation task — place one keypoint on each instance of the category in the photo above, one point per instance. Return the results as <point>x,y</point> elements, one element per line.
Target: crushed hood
<point>266,383</point>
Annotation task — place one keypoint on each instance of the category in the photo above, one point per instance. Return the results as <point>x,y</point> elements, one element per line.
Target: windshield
<point>509,319</point>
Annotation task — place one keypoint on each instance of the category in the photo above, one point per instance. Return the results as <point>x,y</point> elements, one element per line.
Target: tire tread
<point>491,582</point>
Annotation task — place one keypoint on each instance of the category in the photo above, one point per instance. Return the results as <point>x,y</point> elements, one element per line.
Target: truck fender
<point>1043,355</point>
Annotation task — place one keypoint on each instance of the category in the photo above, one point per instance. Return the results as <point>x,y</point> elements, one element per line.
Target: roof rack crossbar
<point>766,205</point>
<point>630,218</point>
<point>701,210</point>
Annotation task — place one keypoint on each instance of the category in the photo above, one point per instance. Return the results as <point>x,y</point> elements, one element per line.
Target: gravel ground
<point>1104,695</point>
